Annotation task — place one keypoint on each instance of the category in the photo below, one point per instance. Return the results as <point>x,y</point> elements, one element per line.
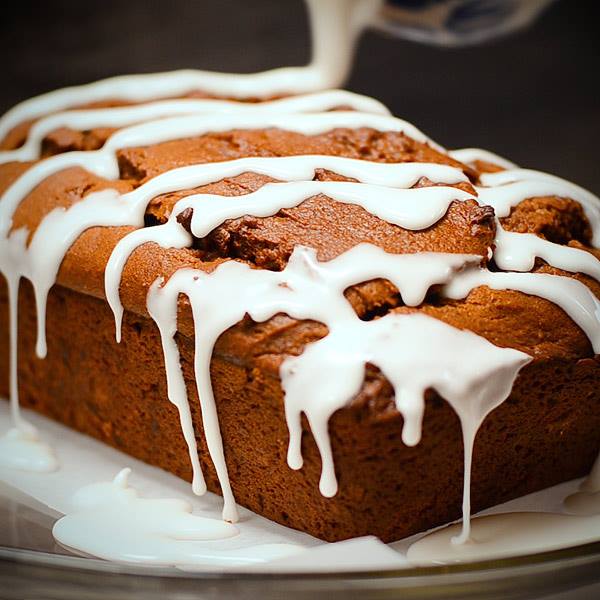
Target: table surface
<point>532,96</point>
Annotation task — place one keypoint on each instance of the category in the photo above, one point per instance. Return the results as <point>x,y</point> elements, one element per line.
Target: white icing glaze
<point>177,393</point>
<point>411,209</point>
<point>21,448</point>
<point>335,26</point>
<point>401,345</point>
<point>503,535</point>
<point>85,120</point>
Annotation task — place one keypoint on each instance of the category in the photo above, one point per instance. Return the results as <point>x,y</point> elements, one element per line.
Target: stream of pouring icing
<point>335,27</point>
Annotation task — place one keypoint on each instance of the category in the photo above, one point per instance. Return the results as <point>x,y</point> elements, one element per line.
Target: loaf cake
<point>376,304</point>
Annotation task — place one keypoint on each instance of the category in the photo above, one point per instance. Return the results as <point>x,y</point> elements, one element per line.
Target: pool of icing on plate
<point>518,533</point>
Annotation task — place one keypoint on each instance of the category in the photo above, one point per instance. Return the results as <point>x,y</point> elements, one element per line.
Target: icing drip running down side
<point>401,345</point>
<point>111,521</point>
<point>85,120</point>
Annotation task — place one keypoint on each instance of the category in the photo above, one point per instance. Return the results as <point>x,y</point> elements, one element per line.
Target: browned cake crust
<point>546,432</point>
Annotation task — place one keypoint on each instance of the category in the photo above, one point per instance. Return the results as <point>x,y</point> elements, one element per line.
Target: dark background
<point>532,96</point>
